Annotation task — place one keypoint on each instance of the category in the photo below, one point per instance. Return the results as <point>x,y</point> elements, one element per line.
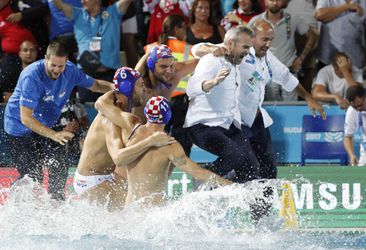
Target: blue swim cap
<point>158,52</point>
<point>124,80</point>
<point>157,110</point>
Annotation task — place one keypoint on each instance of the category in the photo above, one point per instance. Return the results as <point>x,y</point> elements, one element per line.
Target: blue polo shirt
<point>108,24</point>
<point>46,97</point>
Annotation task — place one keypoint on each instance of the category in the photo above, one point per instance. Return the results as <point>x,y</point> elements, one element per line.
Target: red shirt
<point>12,35</point>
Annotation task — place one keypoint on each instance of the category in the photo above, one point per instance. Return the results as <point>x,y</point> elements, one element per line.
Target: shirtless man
<point>148,174</point>
<point>95,177</point>
<point>161,75</point>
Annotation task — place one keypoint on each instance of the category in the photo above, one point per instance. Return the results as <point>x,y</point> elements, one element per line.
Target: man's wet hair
<point>355,91</point>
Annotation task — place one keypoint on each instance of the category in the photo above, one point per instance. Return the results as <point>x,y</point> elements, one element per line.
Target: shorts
<point>84,183</point>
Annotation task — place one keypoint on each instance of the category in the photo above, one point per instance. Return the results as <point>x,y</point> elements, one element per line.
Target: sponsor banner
<point>324,197</point>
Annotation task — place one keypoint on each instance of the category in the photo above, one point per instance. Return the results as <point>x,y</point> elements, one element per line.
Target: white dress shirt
<point>255,74</point>
<point>219,106</point>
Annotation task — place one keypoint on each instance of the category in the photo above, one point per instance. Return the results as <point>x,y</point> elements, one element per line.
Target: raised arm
<point>327,14</point>
<point>64,7</point>
<point>123,5</point>
<point>202,49</point>
<point>186,67</point>
<point>180,160</point>
<point>122,155</point>
<point>105,105</point>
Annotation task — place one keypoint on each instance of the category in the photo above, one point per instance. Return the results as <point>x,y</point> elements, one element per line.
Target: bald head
<point>264,34</point>
<point>262,25</point>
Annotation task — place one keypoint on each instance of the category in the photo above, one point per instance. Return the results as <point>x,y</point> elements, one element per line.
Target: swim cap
<point>157,110</point>
<point>124,80</point>
<point>158,52</point>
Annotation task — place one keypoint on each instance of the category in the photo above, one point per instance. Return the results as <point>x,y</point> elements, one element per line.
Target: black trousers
<point>31,152</point>
<point>179,106</point>
<point>228,145</point>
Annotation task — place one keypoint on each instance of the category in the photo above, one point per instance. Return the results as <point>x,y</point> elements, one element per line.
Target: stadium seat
<point>323,139</point>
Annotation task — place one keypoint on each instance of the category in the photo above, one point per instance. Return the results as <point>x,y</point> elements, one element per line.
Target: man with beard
<point>161,74</point>
<point>96,177</point>
<point>34,108</point>
<point>257,70</point>
<point>213,118</point>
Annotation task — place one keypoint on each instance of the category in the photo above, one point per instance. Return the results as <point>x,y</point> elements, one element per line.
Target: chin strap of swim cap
<point>157,110</point>
<point>158,52</point>
<point>124,82</point>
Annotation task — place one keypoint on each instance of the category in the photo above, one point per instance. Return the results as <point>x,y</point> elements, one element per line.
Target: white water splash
<point>217,219</point>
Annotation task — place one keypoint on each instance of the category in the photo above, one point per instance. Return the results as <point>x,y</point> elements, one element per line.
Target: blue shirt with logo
<point>46,97</point>
<point>107,24</point>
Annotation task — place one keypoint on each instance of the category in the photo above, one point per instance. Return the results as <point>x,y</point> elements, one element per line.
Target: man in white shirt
<point>257,70</point>
<point>333,80</point>
<point>213,118</point>
<point>355,119</point>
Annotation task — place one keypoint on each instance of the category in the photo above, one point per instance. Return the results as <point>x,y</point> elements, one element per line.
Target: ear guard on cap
<point>158,52</point>
<point>157,110</point>
<point>124,80</point>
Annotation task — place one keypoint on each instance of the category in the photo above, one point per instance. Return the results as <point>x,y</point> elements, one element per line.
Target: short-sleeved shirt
<point>304,9</point>
<point>46,97</point>
<point>108,24</point>
<point>283,45</point>
<point>345,33</point>
<point>218,107</point>
<point>335,85</point>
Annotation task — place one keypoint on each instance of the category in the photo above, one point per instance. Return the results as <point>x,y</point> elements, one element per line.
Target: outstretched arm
<point>101,86</point>
<point>180,160</point>
<point>313,105</point>
<point>186,67</point>
<point>122,155</point>
<point>64,7</point>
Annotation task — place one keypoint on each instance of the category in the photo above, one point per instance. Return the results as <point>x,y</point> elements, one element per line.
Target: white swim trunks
<point>83,183</point>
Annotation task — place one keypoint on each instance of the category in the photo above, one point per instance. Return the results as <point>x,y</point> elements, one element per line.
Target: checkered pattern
<point>156,108</point>
<point>163,51</point>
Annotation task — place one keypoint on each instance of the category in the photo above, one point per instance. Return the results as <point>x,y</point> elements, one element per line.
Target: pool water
<point>216,219</point>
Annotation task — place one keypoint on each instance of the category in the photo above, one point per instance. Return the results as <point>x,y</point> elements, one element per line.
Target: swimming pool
<point>199,220</point>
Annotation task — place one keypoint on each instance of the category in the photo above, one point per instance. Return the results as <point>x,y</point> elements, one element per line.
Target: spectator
<point>305,9</point>
<point>12,34</point>
<point>244,10</point>
<point>32,15</point>
<point>62,28</point>
<point>202,27</point>
<point>333,80</point>
<point>11,66</point>
<point>283,46</point>
<point>128,41</point>
<point>342,29</point>
<point>35,106</point>
<point>227,6</point>
<point>355,119</point>
<point>159,10</point>
<point>98,33</point>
